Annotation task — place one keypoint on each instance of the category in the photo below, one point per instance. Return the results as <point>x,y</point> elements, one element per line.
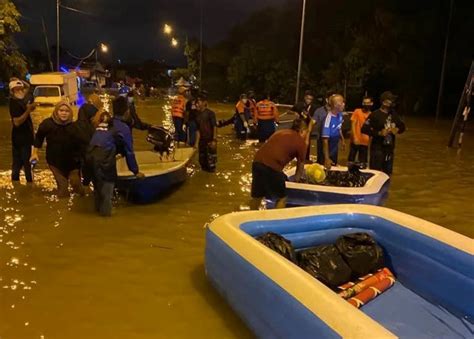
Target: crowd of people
<point>324,125</point>
<point>84,151</point>
<point>77,152</point>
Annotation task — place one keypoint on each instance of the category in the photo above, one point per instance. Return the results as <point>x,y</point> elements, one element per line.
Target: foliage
<point>12,62</point>
<point>360,46</point>
<point>191,51</point>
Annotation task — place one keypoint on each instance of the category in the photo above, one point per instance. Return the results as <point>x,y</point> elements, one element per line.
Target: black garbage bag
<point>361,253</point>
<point>326,264</point>
<point>353,177</point>
<point>279,244</point>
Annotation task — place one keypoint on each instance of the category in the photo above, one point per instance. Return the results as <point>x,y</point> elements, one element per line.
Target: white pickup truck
<point>51,88</point>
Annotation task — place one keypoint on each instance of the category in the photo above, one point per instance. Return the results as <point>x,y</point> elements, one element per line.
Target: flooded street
<point>67,273</point>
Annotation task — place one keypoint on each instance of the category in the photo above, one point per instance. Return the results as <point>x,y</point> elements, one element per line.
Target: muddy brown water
<point>67,273</point>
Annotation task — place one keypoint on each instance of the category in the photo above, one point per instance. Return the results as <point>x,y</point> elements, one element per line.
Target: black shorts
<point>267,183</point>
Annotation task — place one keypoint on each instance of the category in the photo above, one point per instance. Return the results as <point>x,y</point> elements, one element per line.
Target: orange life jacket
<point>267,110</point>
<point>178,106</point>
<point>240,107</point>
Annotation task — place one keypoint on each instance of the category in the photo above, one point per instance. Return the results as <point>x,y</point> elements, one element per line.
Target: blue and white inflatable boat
<point>433,296</point>
<point>160,176</point>
<point>374,192</point>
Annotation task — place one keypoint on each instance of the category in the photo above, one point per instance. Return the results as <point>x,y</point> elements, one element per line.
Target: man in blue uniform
<point>111,137</point>
<point>331,131</point>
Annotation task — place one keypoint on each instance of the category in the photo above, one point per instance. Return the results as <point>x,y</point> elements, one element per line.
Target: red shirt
<point>282,147</point>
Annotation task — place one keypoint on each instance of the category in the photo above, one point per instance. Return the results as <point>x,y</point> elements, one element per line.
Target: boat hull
<point>434,267</point>
<point>150,189</point>
<point>160,176</point>
<point>375,192</point>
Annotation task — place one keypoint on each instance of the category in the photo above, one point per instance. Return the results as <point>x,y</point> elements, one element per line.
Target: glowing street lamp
<point>174,42</point>
<point>167,29</point>
<point>104,48</point>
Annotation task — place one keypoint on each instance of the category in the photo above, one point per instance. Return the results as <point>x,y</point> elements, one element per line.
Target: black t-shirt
<point>22,135</point>
<point>302,107</point>
<point>63,144</point>
<point>379,120</point>
<point>191,110</point>
<point>206,122</point>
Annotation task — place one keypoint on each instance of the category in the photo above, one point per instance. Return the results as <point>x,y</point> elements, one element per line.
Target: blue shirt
<point>118,139</point>
<point>319,116</point>
<point>332,126</point>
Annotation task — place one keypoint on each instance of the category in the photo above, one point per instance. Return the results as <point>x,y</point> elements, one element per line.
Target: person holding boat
<point>206,136</point>
<point>383,125</point>
<point>266,118</point>
<point>360,142</point>
<point>331,132</point>
<point>305,109</point>
<point>112,136</point>
<point>268,179</point>
<point>319,117</point>
<point>242,117</point>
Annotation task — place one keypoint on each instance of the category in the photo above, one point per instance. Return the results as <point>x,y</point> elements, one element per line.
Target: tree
<point>12,61</point>
<point>191,51</point>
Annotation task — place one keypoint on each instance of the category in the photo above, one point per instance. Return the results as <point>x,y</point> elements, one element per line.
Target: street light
<point>104,48</point>
<point>167,29</point>
<point>174,42</point>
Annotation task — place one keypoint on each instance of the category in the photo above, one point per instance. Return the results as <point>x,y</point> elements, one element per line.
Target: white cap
<point>15,83</point>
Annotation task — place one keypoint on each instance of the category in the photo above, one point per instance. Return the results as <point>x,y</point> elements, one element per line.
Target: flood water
<point>67,273</point>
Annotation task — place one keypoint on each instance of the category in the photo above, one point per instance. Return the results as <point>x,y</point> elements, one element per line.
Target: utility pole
<point>58,3</point>
<point>47,44</point>
<point>300,56</point>
<point>200,48</point>
<point>443,67</point>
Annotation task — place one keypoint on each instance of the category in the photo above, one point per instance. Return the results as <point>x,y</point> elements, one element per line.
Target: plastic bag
<point>353,177</point>
<point>326,264</point>
<point>361,253</point>
<point>279,244</point>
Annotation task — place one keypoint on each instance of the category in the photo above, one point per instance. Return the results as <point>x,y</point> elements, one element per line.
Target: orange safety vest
<point>267,110</point>
<point>178,106</point>
<point>240,107</point>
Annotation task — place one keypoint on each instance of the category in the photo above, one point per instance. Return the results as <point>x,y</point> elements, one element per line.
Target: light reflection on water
<point>66,273</point>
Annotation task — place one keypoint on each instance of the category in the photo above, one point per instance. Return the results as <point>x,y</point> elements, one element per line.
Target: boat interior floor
<point>408,315</point>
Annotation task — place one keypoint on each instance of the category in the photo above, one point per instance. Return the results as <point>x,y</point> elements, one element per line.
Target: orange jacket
<point>240,107</point>
<point>267,110</point>
<point>178,106</point>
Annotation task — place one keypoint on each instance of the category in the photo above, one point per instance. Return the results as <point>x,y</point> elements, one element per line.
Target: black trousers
<point>361,150</point>
<point>21,159</point>
<point>381,158</point>
<point>207,156</point>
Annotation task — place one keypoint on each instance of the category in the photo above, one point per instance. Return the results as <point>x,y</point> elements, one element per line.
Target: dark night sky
<point>132,28</point>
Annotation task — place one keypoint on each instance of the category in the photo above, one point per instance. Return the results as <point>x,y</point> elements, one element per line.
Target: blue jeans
<point>21,159</point>
<point>265,129</point>
<point>103,194</point>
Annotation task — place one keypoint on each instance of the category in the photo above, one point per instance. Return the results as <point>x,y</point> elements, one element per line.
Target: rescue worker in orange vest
<point>242,117</point>
<point>178,108</point>
<point>266,117</point>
